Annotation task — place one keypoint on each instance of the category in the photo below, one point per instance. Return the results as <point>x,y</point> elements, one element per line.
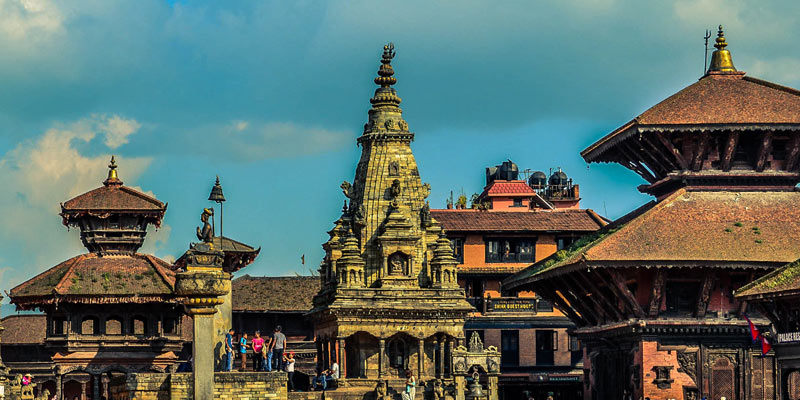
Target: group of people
<point>269,352</point>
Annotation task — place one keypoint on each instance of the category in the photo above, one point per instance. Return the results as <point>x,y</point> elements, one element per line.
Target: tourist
<point>243,350</point>
<point>278,347</point>
<point>323,377</point>
<point>411,384</point>
<point>228,351</point>
<point>269,343</point>
<point>258,357</point>
<point>334,371</point>
<point>289,362</point>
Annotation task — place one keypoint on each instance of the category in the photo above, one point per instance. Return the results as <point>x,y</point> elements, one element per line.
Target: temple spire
<point>385,95</point>
<point>112,174</point>
<point>721,61</point>
<point>385,116</point>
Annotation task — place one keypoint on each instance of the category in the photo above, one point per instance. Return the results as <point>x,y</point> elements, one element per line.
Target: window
<point>458,249</point>
<point>546,345</point>
<point>576,353</point>
<point>564,242</point>
<point>517,203</point>
<point>574,344</point>
<point>474,287</point>
<point>89,326</point>
<point>139,325</point>
<point>509,348</point>
<point>662,380</point>
<point>509,250</point>
<point>113,326</point>
<point>170,326</point>
<point>58,326</point>
<point>681,297</point>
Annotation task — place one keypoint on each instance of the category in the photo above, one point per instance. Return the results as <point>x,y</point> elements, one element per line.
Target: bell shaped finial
<point>112,179</point>
<point>721,61</point>
<point>216,193</point>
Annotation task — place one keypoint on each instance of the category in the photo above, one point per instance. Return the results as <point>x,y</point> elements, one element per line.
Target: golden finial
<point>112,179</point>
<point>385,78</point>
<point>721,58</point>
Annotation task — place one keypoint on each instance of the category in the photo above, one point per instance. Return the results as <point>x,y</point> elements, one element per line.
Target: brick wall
<point>652,357</point>
<point>491,337</point>
<point>527,347</point>
<point>562,355</point>
<point>237,385</point>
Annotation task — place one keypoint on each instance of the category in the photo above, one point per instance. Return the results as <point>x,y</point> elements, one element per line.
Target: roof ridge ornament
<point>112,179</point>
<point>721,62</point>
<point>385,95</point>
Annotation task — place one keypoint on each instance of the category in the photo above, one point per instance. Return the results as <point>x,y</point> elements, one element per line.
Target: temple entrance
<point>397,351</point>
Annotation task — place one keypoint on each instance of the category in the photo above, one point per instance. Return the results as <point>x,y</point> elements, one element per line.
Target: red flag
<point>754,333</point>
<point>765,346</point>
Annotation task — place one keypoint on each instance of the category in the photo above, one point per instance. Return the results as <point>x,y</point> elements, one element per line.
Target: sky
<point>271,96</point>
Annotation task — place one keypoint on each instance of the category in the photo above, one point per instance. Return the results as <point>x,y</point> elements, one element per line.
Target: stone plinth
<point>180,386</point>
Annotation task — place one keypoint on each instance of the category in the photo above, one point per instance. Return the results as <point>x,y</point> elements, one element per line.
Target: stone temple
<point>389,299</point>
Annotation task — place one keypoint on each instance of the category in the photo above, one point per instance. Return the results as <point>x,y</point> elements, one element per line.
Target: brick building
<point>652,293</point>
<point>514,223</point>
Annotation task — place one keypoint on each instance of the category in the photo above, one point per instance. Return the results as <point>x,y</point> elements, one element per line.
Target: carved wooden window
<point>457,244</point>
<point>723,379</point>
<point>113,326</point>
<point>90,326</point>
<point>682,297</point>
<point>59,326</point>
<point>509,250</point>
<point>762,378</point>
<point>170,326</point>
<point>793,385</point>
<point>663,380</point>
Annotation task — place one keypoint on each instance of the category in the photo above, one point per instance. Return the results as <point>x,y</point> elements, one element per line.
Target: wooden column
<point>381,357</point>
<point>730,150</point>
<point>705,295</point>
<point>83,390</point>
<point>421,359</point>
<point>763,150</point>
<point>657,293</point>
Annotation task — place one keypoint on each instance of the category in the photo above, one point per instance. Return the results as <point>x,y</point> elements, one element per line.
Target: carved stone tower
<point>389,299</point>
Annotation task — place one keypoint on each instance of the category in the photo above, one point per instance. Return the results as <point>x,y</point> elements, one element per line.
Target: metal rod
<point>705,57</point>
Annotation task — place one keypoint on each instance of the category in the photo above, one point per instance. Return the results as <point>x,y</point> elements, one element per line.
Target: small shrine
<point>469,364</point>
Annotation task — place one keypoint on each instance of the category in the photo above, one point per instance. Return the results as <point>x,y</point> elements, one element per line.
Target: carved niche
<point>397,264</point>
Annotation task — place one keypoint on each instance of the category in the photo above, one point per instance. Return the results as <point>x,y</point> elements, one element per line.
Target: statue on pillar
<point>207,233</point>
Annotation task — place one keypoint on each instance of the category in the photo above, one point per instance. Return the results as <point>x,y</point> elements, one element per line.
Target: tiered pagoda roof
<point>113,221</point>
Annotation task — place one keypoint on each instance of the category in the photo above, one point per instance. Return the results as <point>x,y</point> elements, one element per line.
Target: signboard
<point>511,305</point>
<point>789,337</point>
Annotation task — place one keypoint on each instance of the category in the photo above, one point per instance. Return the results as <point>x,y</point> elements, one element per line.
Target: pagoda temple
<point>111,310</point>
<point>389,299</point>
<point>652,293</point>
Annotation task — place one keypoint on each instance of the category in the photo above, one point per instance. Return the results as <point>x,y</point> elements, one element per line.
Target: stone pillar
<point>381,354</point>
<point>223,320</point>
<point>83,390</point>
<point>59,389</point>
<point>459,381</point>
<point>201,290</point>
<point>320,360</point>
<point>450,342</point>
<point>421,359</point>
<point>342,356</point>
<point>492,386</point>
<point>441,356</point>
<point>96,387</point>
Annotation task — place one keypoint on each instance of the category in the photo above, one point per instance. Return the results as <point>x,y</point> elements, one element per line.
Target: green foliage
<point>759,241</point>
<point>728,230</point>
<point>738,224</point>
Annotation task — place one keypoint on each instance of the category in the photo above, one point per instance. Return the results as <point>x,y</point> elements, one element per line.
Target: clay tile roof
<point>95,278</point>
<point>24,329</point>
<point>688,228</point>
<point>785,281</point>
<point>731,99</point>
<point>499,188</point>
<point>561,220</point>
<point>113,198</point>
<point>281,294</point>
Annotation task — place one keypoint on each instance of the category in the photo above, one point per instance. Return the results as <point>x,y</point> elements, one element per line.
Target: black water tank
<point>538,179</point>
<point>507,171</point>
<point>558,178</point>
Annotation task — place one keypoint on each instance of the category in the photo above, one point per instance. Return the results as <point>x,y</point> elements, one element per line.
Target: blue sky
<point>271,95</point>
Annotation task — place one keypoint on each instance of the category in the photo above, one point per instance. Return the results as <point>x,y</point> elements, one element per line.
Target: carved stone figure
<point>206,234</point>
<point>394,168</point>
<point>426,190</point>
<point>346,188</point>
<point>380,391</point>
<point>403,125</point>
<point>396,264</point>
<point>438,390</point>
<point>475,343</point>
<point>425,215</point>
<point>395,190</point>
<point>389,124</point>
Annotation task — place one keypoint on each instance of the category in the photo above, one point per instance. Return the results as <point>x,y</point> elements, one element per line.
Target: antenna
<point>705,56</point>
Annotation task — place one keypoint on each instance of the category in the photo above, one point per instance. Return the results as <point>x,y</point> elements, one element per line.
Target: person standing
<point>258,346</point>
<point>228,351</point>
<point>411,386</point>
<point>243,350</point>
<point>268,343</point>
<point>278,347</point>
<point>289,362</point>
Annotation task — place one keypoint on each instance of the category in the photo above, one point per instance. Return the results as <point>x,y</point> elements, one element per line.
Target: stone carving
<point>425,215</point>
<point>346,189</point>
<point>438,390</point>
<point>206,234</point>
<point>389,124</point>
<point>396,263</point>
<point>426,190</point>
<point>493,367</point>
<point>688,364</point>
<point>475,343</point>
<point>403,125</point>
<point>460,367</point>
<point>394,168</point>
<point>380,391</point>
<point>396,189</point>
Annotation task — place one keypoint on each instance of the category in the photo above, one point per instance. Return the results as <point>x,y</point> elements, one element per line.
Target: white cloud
<point>29,19</point>
<point>117,130</point>
<point>784,70</point>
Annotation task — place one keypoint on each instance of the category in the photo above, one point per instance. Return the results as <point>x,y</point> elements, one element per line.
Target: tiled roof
<point>96,278</point>
<point>688,228</point>
<point>24,329</point>
<point>113,197</point>
<point>267,293</point>
<point>785,281</point>
<point>730,99</point>
<point>236,252</point>
<point>560,220</point>
<point>498,188</point>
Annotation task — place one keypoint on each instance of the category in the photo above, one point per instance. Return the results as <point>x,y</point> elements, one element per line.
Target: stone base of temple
<point>179,386</point>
